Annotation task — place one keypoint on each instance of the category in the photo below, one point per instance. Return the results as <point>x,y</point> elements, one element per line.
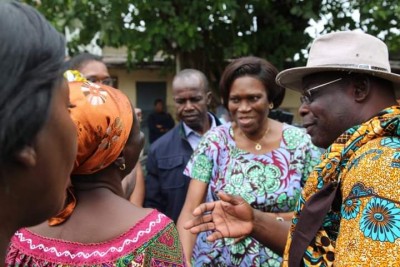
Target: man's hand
<point>229,217</point>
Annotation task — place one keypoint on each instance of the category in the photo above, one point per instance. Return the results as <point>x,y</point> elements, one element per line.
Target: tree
<point>197,34</point>
<point>204,34</point>
<point>377,17</point>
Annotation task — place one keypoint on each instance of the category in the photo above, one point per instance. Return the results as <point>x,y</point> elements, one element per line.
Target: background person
<point>92,68</point>
<point>98,226</point>
<point>166,185</point>
<point>37,136</point>
<point>349,107</point>
<point>222,113</point>
<point>159,121</point>
<point>264,161</point>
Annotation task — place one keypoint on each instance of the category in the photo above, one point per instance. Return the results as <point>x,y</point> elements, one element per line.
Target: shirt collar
<point>189,131</point>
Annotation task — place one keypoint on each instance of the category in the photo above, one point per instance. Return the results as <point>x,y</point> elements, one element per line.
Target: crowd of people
<point>263,160</point>
<point>245,191</point>
<point>348,213</point>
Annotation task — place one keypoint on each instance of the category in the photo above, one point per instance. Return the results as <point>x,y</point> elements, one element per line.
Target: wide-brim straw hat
<point>348,51</point>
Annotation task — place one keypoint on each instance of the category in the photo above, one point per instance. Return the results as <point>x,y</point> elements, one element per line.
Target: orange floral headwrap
<point>103,118</point>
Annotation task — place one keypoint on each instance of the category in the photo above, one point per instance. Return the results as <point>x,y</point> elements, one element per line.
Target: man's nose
<point>188,104</point>
<point>304,109</point>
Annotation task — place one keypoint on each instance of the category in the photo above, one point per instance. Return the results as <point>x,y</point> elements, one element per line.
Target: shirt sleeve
<point>151,123</point>
<point>201,165</point>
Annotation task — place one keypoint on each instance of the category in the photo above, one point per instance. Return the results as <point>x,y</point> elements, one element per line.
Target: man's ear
<point>209,97</point>
<point>361,88</point>
<point>26,156</point>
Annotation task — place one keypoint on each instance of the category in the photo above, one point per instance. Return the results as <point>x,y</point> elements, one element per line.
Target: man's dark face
<point>325,108</point>
<point>191,101</point>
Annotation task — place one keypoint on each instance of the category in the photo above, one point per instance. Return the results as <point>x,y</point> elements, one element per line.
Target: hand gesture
<point>231,216</point>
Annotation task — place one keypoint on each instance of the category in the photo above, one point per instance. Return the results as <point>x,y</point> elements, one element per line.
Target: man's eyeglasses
<point>107,81</point>
<point>306,97</point>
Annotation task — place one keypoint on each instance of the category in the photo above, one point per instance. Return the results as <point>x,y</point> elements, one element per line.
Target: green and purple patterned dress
<point>270,182</point>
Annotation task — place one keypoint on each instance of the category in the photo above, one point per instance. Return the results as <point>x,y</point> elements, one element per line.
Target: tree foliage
<point>377,17</point>
<point>205,34</point>
<point>200,34</point>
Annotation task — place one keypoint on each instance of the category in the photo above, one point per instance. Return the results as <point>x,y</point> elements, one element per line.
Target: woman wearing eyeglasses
<point>92,67</point>
<point>262,160</point>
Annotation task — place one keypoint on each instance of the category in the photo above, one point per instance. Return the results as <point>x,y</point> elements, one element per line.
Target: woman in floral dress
<point>264,161</point>
<point>98,226</point>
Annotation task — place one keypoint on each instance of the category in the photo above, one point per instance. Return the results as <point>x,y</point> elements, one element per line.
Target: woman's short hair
<point>31,57</point>
<point>257,68</point>
<point>78,61</point>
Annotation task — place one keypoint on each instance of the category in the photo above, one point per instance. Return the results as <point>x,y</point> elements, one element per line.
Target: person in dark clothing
<point>166,186</point>
<point>159,121</point>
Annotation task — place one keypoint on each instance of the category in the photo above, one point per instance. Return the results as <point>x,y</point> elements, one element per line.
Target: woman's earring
<point>120,163</point>
<point>271,106</point>
<point>122,167</point>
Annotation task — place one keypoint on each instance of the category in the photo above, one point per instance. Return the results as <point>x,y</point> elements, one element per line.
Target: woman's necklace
<point>258,146</point>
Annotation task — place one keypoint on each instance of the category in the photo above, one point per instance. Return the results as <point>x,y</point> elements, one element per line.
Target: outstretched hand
<point>231,216</point>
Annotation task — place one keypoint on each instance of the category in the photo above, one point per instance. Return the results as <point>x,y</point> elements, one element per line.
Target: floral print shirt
<point>270,182</point>
<point>371,208</point>
<point>362,228</point>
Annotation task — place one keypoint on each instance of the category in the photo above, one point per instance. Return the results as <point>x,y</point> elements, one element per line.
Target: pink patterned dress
<point>153,241</point>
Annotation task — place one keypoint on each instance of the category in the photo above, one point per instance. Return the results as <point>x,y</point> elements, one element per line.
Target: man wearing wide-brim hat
<point>348,106</point>
<point>349,211</point>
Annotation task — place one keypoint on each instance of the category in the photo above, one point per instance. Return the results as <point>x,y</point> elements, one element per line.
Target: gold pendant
<point>258,147</point>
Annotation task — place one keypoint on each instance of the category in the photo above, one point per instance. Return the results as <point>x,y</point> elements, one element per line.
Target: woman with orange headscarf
<point>98,227</point>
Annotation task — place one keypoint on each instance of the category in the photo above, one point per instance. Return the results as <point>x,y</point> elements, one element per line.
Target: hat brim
<point>293,78</point>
